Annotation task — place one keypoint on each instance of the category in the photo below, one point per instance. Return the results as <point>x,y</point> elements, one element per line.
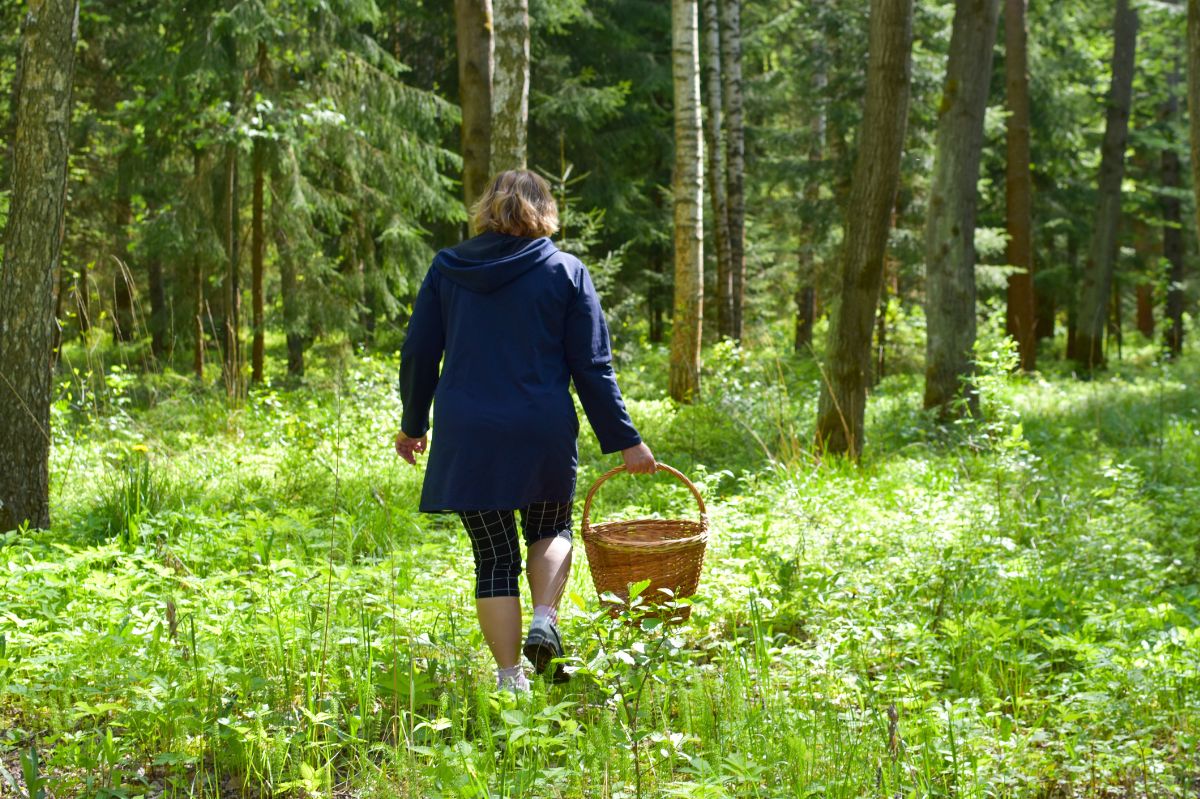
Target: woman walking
<point>517,320</point>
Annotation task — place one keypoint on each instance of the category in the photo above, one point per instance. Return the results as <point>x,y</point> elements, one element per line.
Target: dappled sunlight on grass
<point>245,599</point>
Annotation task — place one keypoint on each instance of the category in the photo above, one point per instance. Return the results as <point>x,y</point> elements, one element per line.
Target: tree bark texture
<point>717,168</point>
<point>1172,178</point>
<point>872,196</point>
<point>806,294</point>
<point>1145,309</point>
<point>688,202</point>
<point>950,226</point>
<point>293,312</point>
<point>735,137</point>
<point>32,246</point>
<point>258,247</point>
<point>1021,315</point>
<point>198,276</point>
<point>473,24</point>
<point>1102,252</point>
<point>233,295</point>
<point>510,85</point>
<point>158,320</point>
<point>123,288</point>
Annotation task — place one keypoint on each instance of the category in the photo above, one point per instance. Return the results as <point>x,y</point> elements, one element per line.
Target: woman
<point>517,320</point>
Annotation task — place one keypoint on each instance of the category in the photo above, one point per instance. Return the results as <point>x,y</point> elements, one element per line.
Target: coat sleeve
<point>589,357</point>
<point>421,357</point>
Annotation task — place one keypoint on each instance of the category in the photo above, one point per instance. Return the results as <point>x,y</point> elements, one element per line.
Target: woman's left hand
<point>407,447</point>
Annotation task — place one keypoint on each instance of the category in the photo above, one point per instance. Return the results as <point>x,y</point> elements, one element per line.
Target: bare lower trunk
<point>950,226</point>
<point>123,289</point>
<point>1102,253</point>
<point>1145,309</point>
<point>1172,177</point>
<point>510,84</point>
<point>1020,319</point>
<point>806,294</point>
<point>158,308</point>
<point>872,196</point>
<point>473,23</point>
<point>229,217</point>
<point>688,199</point>
<point>258,246</point>
<point>717,169</point>
<point>293,322</point>
<point>806,317</point>
<point>32,245</point>
<point>731,76</point>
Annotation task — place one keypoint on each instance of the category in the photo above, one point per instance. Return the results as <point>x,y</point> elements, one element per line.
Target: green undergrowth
<point>238,599</point>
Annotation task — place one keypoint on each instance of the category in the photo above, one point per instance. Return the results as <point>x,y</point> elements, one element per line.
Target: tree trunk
<point>1145,309</point>
<point>950,226</point>
<point>1021,316</point>
<point>1044,306</point>
<point>717,170</point>
<point>806,294</point>
<point>229,217</point>
<point>689,199</point>
<point>655,299</point>
<point>198,285</point>
<point>473,23</point>
<point>288,294</point>
<point>84,299</point>
<point>510,85</point>
<point>806,316</point>
<point>258,246</point>
<point>158,308</point>
<point>32,245</point>
<point>1073,301</point>
<point>123,288</point>
<point>1102,252</point>
<point>735,137</point>
<point>1172,178</point>
<point>872,196</point>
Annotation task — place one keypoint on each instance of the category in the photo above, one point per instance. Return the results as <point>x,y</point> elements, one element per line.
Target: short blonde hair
<point>518,202</point>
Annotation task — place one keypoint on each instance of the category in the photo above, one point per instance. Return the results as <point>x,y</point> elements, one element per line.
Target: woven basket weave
<point>667,552</point>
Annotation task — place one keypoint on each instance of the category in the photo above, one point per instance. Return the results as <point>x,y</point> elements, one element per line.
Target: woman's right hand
<point>639,460</point>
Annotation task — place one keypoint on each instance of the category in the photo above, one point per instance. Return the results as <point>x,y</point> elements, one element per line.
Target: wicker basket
<point>667,552</point>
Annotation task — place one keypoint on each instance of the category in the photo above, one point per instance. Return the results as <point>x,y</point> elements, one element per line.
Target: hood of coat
<point>490,260</point>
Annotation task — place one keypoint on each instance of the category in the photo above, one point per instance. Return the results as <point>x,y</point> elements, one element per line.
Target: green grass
<point>242,600</point>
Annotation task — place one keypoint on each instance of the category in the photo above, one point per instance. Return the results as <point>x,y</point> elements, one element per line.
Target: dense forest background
<point>306,158</point>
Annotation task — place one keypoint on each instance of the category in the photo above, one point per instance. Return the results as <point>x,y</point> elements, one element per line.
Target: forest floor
<point>239,598</point>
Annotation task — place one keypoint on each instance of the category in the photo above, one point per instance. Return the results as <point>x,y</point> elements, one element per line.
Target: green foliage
<point>252,598</point>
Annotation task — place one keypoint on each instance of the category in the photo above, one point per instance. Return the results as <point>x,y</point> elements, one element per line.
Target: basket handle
<point>662,467</point>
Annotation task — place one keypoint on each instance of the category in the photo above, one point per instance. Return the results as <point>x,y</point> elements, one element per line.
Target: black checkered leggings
<point>494,542</point>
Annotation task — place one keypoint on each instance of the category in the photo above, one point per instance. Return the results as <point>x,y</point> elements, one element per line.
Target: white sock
<point>513,678</point>
<point>545,612</point>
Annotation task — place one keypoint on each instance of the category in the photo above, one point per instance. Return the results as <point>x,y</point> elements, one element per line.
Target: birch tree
<point>950,225</point>
<point>688,201</point>
<point>510,85</point>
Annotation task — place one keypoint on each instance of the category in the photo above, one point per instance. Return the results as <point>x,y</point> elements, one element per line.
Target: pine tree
<point>1102,252</point>
<point>868,218</point>
<point>950,225</point>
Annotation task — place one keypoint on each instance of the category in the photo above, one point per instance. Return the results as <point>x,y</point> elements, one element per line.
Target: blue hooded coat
<point>516,320</point>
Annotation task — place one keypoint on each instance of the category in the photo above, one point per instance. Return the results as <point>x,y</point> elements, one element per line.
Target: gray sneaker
<point>542,645</point>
